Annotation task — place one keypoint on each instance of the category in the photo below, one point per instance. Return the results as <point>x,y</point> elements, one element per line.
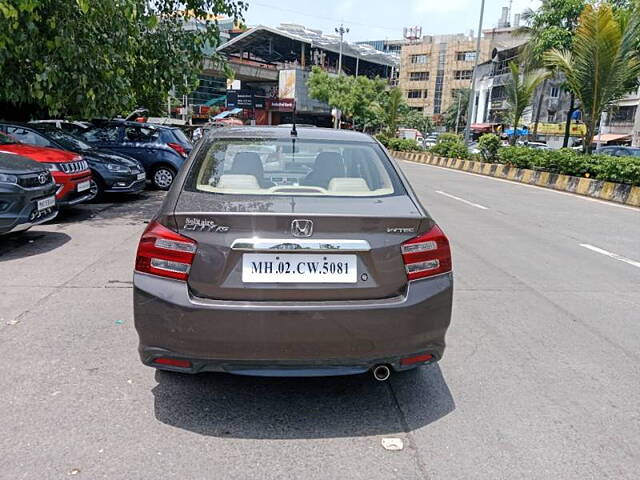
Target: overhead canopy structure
<point>291,43</point>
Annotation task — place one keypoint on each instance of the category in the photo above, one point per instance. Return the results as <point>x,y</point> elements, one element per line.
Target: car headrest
<point>247,163</point>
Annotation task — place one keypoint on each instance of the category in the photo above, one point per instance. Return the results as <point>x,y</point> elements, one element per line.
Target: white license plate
<point>46,203</point>
<point>299,268</point>
<point>142,175</point>
<point>82,186</point>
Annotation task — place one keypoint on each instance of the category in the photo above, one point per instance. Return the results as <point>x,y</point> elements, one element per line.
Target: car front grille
<point>34,180</point>
<point>74,167</point>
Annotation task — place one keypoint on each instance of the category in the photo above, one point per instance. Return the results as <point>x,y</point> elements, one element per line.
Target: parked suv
<point>70,172</point>
<point>162,150</point>
<point>27,194</point>
<point>111,172</point>
<point>287,254</point>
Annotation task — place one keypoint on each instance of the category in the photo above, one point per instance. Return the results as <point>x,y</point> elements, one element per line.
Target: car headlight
<point>5,178</point>
<point>114,167</point>
<point>51,166</point>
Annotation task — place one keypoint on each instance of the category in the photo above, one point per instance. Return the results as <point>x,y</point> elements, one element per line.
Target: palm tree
<point>551,25</point>
<point>391,110</point>
<point>520,90</point>
<point>603,65</point>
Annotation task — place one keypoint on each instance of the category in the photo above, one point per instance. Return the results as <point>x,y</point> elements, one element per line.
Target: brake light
<point>178,148</point>
<point>427,255</point>
<point>165,253</point>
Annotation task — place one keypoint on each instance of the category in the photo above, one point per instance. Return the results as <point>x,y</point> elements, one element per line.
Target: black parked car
<point>111,172</point>
<point>27,194</point>
<point>161,149</point>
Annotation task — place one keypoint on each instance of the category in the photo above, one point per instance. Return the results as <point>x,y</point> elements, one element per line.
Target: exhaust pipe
<point>381,373</point>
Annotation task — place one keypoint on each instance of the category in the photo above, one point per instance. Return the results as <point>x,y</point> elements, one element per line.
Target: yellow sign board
<point>577,129</point>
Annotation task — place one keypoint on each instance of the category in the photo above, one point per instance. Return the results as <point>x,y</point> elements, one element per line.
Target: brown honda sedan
<point>292,253</point>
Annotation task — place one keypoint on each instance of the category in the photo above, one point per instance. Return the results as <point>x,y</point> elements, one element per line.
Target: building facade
<point>435,68</point>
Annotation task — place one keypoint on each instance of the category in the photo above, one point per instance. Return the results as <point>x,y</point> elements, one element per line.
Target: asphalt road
<point>540,380</point>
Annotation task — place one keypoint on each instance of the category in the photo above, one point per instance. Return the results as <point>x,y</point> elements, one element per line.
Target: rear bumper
<point>289,338</point>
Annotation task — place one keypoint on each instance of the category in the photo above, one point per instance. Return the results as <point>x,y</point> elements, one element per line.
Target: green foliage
<point>520,89</point>
<point>602,65</point>
<point>360,99</point>
<point>489,145</point>
<point>84,58</point>
<point>404,145</point>
<point>450,145</point>
<point>417,120</point>
<point>451,114</point>
<point>569,162</point>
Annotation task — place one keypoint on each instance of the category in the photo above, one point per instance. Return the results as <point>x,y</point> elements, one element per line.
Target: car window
<point>68,141</point>
<point>28,136</point>
<point>140,134</point>
<point>293,167</point>
<point>102,134</point>
<point>182,138</point>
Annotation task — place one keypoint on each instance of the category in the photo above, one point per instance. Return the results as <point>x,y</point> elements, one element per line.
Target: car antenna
<point>294,131</point>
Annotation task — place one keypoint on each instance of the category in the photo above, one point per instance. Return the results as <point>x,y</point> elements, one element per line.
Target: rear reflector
<point>172,362</point>
<point>165,253</point>
<point>427,255</point>
<point>417,359</point>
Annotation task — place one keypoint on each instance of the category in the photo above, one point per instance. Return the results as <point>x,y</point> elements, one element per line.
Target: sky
<point>381,19</point>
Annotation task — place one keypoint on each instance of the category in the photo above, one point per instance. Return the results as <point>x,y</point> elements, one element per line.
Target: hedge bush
<point>399,144</point>
<point>489,146</point>
<point>450,145</point>
<point>570,162</point>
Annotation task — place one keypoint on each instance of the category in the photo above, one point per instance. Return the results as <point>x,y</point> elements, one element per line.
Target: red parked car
<point>70,172</point>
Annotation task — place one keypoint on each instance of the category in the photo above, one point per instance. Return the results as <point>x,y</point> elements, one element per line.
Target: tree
<point>603,64</point>
<point>82,58</point>
<point>455,117</point>
<point>415,119</point>
<point>363,100</point>
<point>552,25</point>
<point>520,90</point>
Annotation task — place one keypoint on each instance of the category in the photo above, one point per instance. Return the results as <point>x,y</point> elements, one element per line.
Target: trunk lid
<point>227,227</point>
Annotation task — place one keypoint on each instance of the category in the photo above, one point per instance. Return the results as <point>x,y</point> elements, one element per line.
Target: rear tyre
<point>163,177</point>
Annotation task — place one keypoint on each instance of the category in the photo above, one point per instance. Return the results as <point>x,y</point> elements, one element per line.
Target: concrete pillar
<point>482,104</point>
<point>636,126</point>
<point>357,65</point>
<point>303,60</point>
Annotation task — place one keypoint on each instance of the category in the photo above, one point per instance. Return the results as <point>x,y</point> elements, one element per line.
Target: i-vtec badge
<point>204,225</point>
<point>401,230</point>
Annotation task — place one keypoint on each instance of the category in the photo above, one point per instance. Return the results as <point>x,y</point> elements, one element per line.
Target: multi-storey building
<point>435,68</point>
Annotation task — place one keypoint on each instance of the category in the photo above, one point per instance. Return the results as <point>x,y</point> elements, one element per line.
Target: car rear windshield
<point>182,138</point>
<point>293,167</point>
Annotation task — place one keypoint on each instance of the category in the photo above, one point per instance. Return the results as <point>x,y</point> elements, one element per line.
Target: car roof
<point>128,123</point>
<point>275,132</point>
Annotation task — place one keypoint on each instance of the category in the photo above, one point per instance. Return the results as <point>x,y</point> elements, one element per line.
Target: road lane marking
<point>462,200</point>
<point>610,254</point>
<point>537,187</point>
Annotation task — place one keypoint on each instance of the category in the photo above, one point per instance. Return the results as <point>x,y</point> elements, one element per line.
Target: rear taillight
<point>427,255</point>
<point>165,253</point>
<point>178,148</point>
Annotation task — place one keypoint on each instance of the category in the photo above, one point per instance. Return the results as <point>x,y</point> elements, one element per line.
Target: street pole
<point>471,108</point>
<point>458,114</point>
<point>342,30</point>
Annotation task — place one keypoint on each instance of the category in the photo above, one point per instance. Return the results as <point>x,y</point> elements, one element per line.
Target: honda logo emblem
<point>302,228</point>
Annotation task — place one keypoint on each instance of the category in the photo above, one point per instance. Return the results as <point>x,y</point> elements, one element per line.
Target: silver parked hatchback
<point>287,253</point>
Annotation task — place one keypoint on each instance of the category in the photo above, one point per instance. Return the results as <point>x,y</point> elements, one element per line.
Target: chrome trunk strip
<point>295,244</point>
